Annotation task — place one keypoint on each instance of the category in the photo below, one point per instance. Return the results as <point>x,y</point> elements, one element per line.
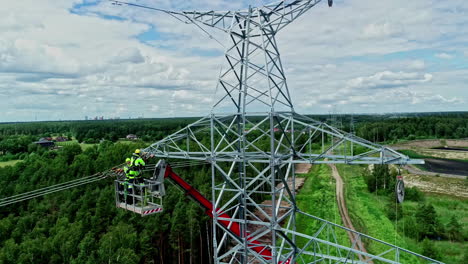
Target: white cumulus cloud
<point>381,30</point>
<point>388,79</point>
<point>59,62</point>
<point>444,56</point>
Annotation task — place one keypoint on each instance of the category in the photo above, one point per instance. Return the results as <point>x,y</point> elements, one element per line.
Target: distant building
<point>132,137</point>
<point>45,143</point>
<point>61,139</point>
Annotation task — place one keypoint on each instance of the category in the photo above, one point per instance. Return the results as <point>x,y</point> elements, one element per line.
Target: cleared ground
<point>443,153</point>
<point>444,158</point>
<point>303,168</point>
<point>431,184</point>
<point>446,166</point>
<point>440,174</point>
<point>431,143</point>
<point>8,163</point>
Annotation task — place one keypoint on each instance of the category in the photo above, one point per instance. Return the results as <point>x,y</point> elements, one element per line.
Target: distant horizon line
<point>180,117</point>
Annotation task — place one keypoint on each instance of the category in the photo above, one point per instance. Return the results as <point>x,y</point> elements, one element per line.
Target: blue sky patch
<point>151,35</point>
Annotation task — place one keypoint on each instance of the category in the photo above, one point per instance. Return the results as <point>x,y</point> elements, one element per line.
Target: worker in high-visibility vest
<point>130,172</point>
<point>137,164</point>
<point>130,178</point>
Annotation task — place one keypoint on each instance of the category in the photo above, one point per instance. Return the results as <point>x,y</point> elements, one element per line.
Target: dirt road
<point>303,168</point>
<point>344,211</point>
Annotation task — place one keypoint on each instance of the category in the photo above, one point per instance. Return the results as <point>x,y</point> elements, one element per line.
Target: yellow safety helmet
<point>127,160</point>
<point>137,151</point>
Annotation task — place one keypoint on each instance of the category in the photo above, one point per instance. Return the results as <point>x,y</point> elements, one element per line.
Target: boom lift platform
<point>143,198</point>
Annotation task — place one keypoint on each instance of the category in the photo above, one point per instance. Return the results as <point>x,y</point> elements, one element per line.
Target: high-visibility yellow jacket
<point>137,164</point>
<point>129,173</point>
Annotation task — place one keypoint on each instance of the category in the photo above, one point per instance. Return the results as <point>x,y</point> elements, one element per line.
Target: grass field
<point>368,213</point>
<point>8,163</point>
<point>84,146</point>
<point>317,197</point>
<point>447,206</point>
<point>452,252</point>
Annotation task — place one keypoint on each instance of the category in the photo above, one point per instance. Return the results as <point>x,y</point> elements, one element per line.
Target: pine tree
<point>454,230</point>
<point>428,222</point>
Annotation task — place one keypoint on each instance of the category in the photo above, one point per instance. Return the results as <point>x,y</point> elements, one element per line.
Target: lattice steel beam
<point>253,138</point>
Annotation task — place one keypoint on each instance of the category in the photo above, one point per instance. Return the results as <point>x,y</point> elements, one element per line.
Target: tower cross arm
<point>274,15</point>
<point>222,20</point>
<point>280,14</point>
<point>217,19</point>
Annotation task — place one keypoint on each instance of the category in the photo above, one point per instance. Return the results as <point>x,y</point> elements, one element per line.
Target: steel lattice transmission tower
<point>253,138</point>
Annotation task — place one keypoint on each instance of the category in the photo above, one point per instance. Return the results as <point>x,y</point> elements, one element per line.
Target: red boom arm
<point>208,206</point>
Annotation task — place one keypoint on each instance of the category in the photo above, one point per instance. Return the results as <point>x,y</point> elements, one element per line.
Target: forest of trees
<point>451,126</point>
<point>15,137</point>
<point>82,225</point>
<point>94,131</point>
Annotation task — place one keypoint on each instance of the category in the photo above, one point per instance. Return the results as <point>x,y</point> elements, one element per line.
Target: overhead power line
<point>114,172</point>
<point>55,188</point>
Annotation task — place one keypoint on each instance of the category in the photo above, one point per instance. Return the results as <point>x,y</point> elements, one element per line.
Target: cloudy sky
<point>67,59</point>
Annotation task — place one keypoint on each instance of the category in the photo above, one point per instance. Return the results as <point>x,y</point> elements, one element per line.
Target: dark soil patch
<point>459,149</point>
<point>446,166</point>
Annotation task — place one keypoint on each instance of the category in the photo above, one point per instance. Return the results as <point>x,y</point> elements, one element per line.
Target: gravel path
<point>344,212</point>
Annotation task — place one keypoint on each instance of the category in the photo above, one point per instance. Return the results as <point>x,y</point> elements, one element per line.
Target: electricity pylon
<point>253,139</point>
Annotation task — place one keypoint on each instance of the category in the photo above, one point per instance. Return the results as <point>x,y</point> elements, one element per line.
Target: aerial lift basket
<point>143,198</point>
